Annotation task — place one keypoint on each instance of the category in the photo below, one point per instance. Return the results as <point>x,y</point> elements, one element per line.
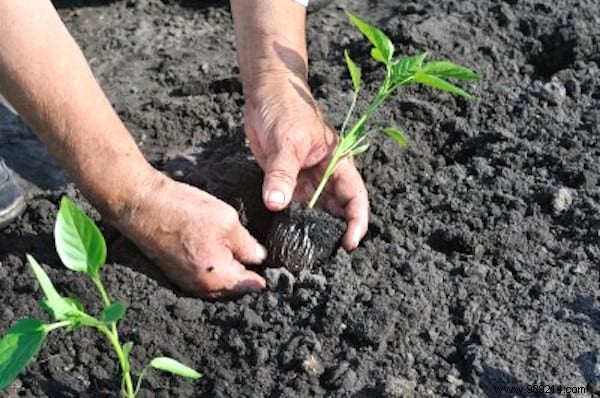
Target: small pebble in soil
<point>554,92</point>
<point>561,200</point>
<point>399,387</point>
<point>280,279</point>
<point>312,366</point>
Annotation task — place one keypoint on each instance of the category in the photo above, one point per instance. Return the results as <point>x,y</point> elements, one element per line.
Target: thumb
<point>281,173</point>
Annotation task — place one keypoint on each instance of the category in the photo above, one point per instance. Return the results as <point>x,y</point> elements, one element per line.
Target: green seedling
<point>400,72</point>
<point>81,248</point>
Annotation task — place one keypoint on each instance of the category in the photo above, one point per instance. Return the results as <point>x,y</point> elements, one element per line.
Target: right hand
<point>196,239</point>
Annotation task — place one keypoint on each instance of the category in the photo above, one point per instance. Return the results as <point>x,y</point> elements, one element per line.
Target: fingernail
<point>355,239</point>
<point>276,197</point>
<point>261,252</point>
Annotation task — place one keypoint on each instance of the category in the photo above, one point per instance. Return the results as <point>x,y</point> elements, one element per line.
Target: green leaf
<point>377,56</point>
<point>398,136</point>
<point>448,69</point>
<point>360,149</point>
<point>18,347</point>
<point>381,42</point>
<point>78,240</point>
<point>440,84</point>
<point>406,67</point>
<point>172,366</point>
<point>126,351</point>
<point>113,312</point>
<point>354,71</point>
<point>56,305</point>
<point>127,348</point>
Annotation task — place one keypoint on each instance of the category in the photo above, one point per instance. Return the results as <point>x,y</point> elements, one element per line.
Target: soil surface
<point>481,266</point>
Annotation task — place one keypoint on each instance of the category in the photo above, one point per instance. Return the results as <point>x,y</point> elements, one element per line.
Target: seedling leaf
<point>18,347</point>
<point>360,149</point>
<point>398,136</point>
<point>79,242</point>
<point>56,305</point>
<point>126,351</point>
<point>440,84</point>
<point>406,67</point>
<point>381,42</point>
<point>113,312</point>
<point>378,56</point>
<point>172,366</point>
<point>446,69</point>
<point>354,72</point>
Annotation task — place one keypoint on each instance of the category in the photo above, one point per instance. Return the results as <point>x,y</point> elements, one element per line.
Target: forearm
<point>270,39</point>
<point>46,78</point>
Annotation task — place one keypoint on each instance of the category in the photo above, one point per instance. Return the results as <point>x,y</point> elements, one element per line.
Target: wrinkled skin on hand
<point>292,143</point>
<point>196,239</point>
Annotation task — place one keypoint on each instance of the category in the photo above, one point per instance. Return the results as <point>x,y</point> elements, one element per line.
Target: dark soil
<point>303,239</point>
<point>481,266</point>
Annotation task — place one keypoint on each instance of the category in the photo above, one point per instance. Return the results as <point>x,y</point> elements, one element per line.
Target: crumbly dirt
<point>480,268</point>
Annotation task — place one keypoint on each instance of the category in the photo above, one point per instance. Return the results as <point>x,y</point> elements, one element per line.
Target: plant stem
<point>123,361</point>
<point>101,290</point>
<point>113,336</point>
<point>340,149</point>
<point>350,111</point>
<point>57,325</point>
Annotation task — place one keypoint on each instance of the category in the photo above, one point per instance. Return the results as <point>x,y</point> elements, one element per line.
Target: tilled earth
<point>481,267</point>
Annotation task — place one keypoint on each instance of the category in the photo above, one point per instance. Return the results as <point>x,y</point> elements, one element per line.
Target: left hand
<point>292,143</point>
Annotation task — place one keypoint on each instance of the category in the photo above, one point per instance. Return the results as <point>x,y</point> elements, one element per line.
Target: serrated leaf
<point>79,242</point>
<point>406,67</point>
<point>56,305</point>
<point>379,39</point>
<point>398,136</point>
<point>446,69</point>
<point>18,347</point>
<point>440,84</point>
<point>113,312</point>
<point>175,367</point>
<point>354,71</point>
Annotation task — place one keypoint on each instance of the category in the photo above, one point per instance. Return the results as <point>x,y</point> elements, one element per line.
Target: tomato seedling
<point>400,72</point>
<point>81,248</point>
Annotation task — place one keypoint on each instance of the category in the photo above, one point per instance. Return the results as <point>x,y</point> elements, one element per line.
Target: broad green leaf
<point>440,84</point>
<point>172,366</point>
<point>377,55</point>
<point>354,71</point>
<point>446,69</point>
<point>406,67</point>
<point>113,312</point>
<point>126,351</point>
<point>381,42</point>
<point>18,347</point>
<point>398,136</point>
<point>78,240</point>
<point>56,305</point>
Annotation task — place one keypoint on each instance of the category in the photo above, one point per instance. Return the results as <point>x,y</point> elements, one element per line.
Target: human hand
<point>196,239</point>
<point>293,144</point>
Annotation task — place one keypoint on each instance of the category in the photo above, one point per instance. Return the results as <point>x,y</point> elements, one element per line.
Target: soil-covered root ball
<point>301,237</point>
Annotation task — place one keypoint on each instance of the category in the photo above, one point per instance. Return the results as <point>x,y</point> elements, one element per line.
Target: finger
<point>353,197</point>
<point>281,173</point>
<point>245,248</point>
<point>230,278</point>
